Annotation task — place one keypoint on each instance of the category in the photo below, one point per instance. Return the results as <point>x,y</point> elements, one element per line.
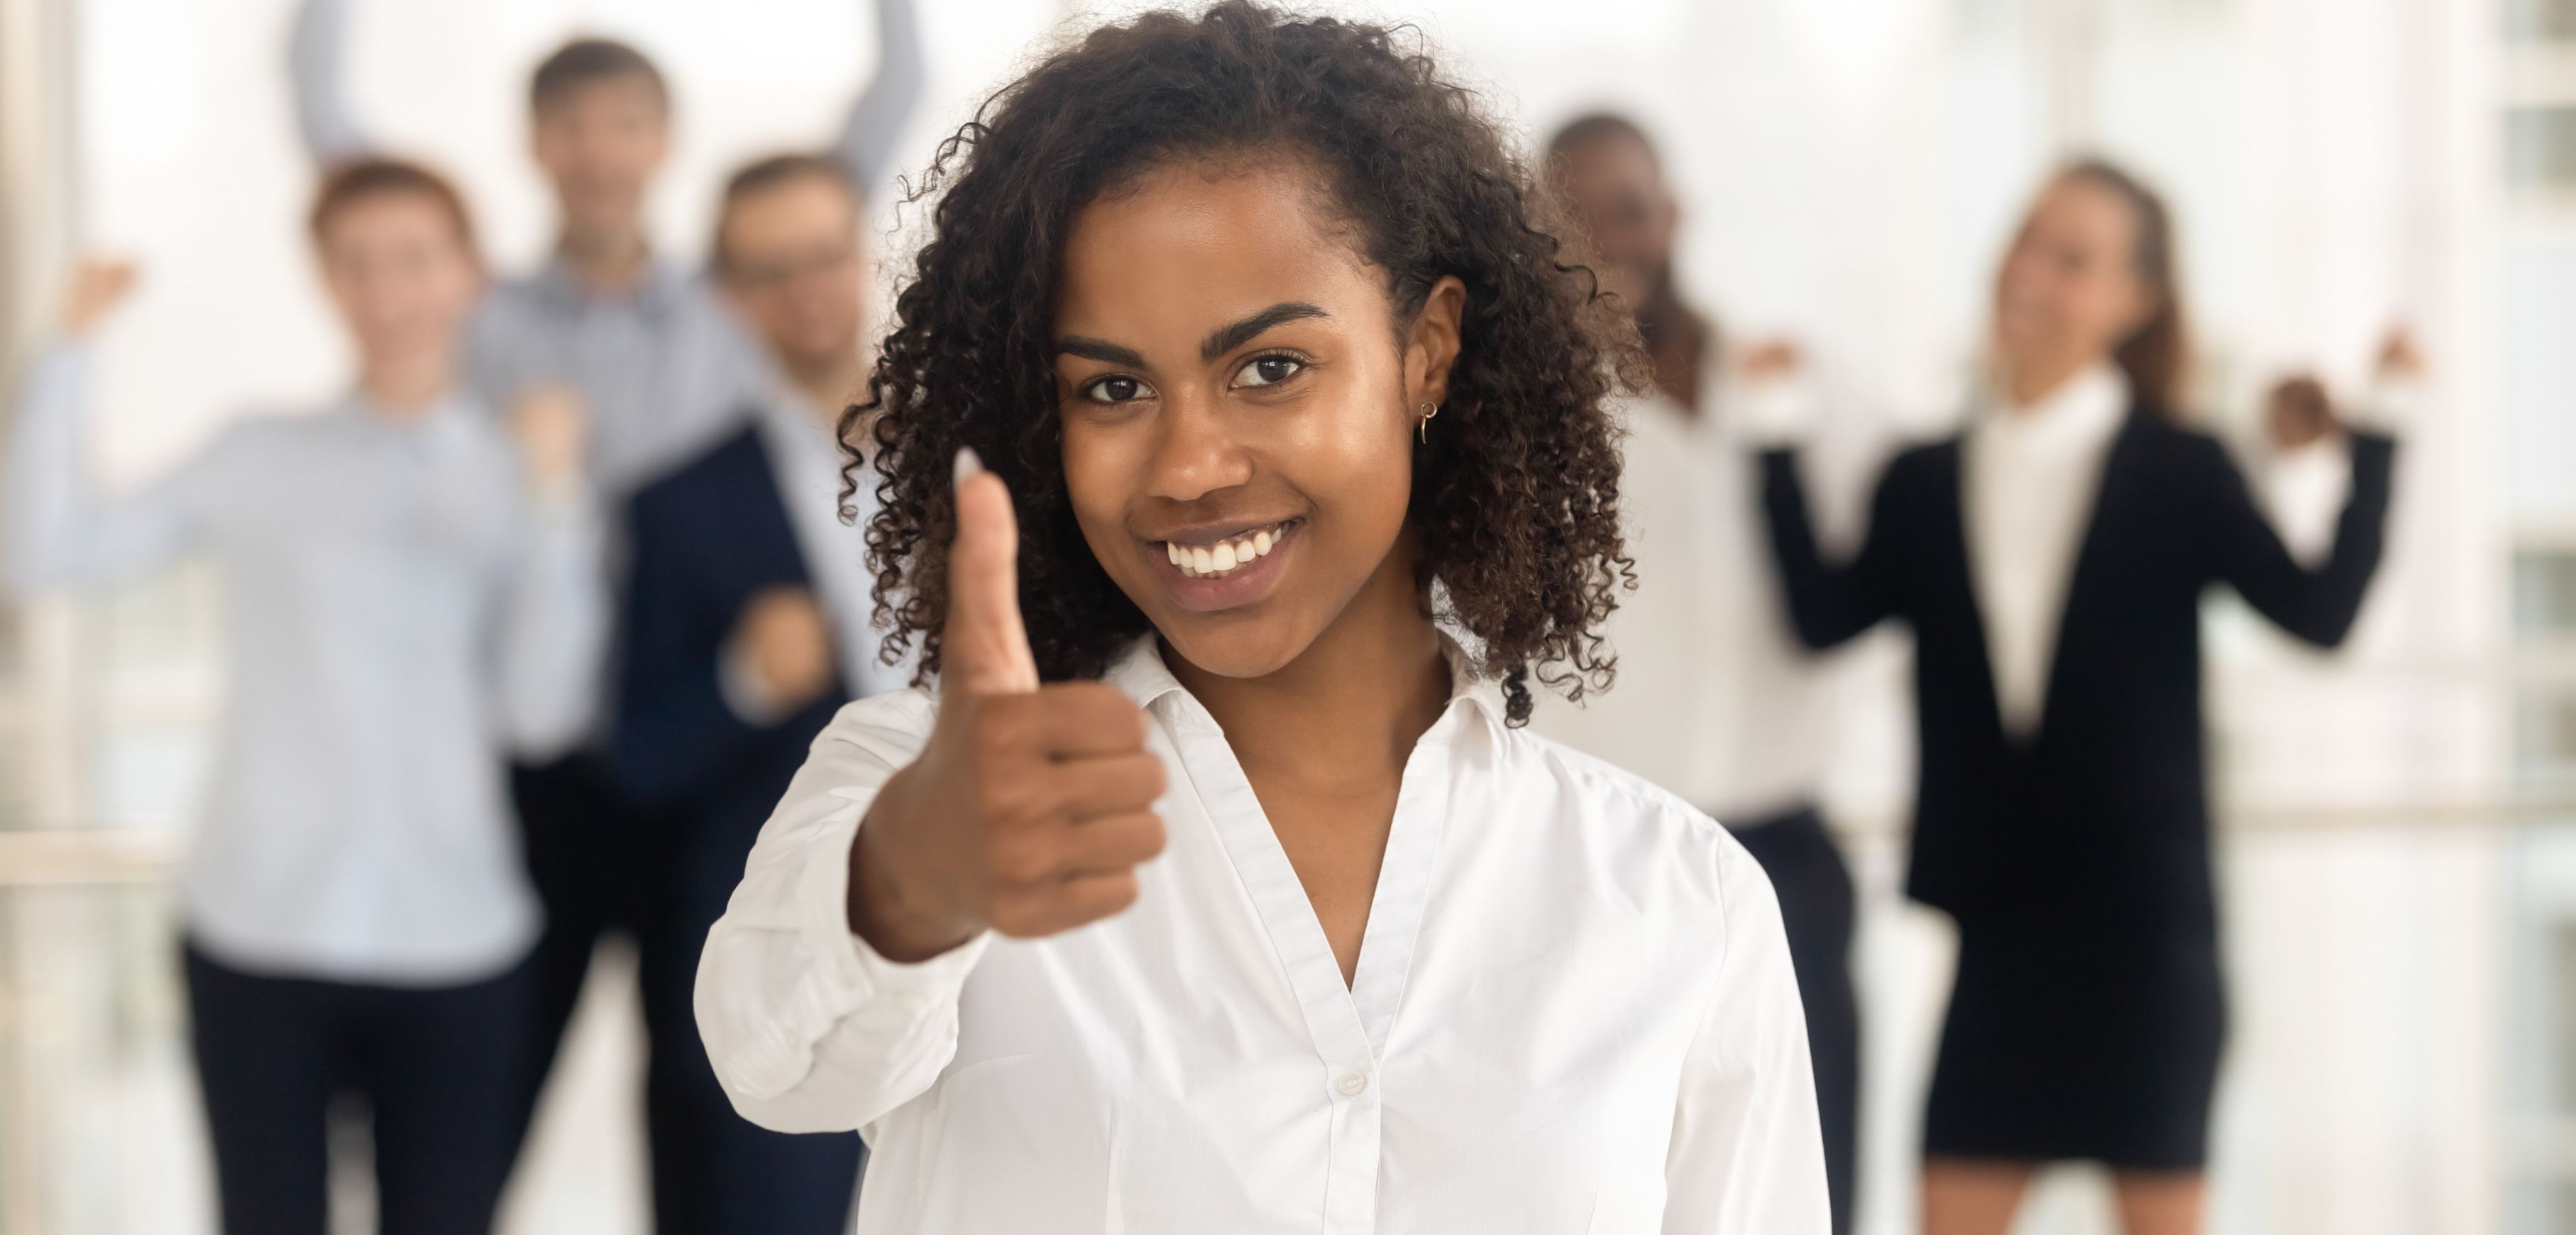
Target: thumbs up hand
<point>1031,806</point>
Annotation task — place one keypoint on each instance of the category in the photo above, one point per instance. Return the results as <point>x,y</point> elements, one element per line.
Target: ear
<point>1431,343</point>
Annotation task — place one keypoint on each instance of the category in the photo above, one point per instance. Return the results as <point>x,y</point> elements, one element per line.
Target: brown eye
<point>1114,390</point>
<point>1268,370</point>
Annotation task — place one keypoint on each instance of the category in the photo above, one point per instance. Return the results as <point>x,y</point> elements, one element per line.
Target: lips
<point>1218,558</point>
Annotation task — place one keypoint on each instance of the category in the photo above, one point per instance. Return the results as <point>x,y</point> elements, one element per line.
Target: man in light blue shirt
<point>664,370</point>
<point>409,596</point>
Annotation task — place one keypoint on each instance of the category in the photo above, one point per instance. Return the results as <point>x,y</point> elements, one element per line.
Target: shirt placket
<point>1348,1024</point>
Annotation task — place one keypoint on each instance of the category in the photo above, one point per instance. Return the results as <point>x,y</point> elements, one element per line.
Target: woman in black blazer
<point>2051,561</point>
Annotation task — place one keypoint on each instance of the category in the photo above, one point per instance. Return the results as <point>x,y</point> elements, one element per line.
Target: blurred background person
<point>666,369</point>
<point>747,625</point>
<point>408,600</point>
<point>2050,562</point>
<point>1717,701</point>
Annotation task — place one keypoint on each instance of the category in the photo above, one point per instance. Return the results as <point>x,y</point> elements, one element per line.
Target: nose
<point>1197,453</point>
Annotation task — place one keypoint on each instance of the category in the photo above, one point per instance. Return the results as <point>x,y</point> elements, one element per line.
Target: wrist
<point>559,493</point>
<point>894,915</point>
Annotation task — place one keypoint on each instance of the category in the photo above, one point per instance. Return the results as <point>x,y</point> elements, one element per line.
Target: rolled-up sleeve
<point>1747,1155</point>
<point>809,1029</point>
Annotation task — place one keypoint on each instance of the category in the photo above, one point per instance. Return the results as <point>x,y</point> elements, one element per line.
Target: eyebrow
<point>1101,350</point>
<point>1219,341</point>
<point>1228,338</point>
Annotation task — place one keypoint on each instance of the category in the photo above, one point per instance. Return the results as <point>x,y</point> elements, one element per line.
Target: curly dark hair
<point>1515,496</point>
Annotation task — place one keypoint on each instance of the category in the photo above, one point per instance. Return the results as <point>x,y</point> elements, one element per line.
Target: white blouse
<point>2032,476</point>
<point>1573,1012</point>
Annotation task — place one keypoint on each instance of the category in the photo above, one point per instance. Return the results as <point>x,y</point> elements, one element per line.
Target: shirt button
<point>1351,1084</point>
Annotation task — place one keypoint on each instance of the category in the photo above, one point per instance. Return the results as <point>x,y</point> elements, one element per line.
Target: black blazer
<point>706,538</point>
<point>2099,823</point>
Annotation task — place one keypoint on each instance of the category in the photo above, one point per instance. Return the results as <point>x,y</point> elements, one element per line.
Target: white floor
<point>2367,1093</point>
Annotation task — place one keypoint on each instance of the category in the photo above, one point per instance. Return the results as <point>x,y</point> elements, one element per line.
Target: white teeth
<point>1209,561</point>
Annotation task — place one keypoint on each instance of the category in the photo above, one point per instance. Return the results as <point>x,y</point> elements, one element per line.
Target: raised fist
<point>788,642</point>
<point>98,285</point>
<point>552,428</point>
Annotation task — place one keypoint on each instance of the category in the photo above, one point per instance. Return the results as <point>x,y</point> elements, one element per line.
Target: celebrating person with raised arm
<point>2051,562</point>
<point>407,602</point>
<point>1217,886</point>
<point>667,371</point>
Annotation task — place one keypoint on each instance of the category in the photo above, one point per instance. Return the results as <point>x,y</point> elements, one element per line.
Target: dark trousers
<point>601,865</point>
<point>1816,906</point>
<point>437,1067</point>
<point>587,852</point>
<point>743,1179</point>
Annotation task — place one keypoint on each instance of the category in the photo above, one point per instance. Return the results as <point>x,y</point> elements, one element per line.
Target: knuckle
<point>1117,892</point>
<point>1106,710</point>
<point>1023,859</point>
<point>1151,837</point>
<point>1017,917</point>
<point>1150,778</point>
<point>1003,723</point>
<point>1002,799</point>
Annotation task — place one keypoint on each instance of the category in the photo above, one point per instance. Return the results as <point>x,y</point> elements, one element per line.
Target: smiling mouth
<point>1224,557</point>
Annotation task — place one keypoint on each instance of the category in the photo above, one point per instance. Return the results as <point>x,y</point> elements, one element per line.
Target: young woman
<point>2051,562</point>
<point>405,599</point>
<point>1261,913</point>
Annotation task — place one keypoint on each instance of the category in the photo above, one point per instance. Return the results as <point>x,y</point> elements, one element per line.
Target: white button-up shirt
<point>2032,477</point>
<point>1573,1012</point>
<point>1715,700</point>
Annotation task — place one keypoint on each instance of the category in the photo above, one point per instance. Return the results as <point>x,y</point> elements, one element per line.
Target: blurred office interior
<point>2399,820</point>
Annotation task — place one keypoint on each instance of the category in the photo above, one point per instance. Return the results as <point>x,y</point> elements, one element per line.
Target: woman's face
<point>400,275</point>
<point>1238,408</point>
<point>2069,290</point>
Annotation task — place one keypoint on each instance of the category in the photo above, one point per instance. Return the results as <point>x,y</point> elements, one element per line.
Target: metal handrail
<point>78,857</point>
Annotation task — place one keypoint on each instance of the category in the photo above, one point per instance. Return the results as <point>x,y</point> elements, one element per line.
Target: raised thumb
<point>984,649</point>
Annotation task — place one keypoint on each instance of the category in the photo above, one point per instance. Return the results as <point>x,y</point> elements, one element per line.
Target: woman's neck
<point>1352,705</point>
<point>2027,384</point>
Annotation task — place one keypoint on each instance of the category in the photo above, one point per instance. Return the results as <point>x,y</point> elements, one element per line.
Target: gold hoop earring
<point>1422,427</point>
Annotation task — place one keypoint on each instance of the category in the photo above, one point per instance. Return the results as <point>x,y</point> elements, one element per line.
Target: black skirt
<point>2055,1050</point>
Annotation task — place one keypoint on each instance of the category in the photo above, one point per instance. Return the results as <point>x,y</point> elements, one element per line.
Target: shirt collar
<point>2083,410</point>
<point>441,420</point>
<point>1141,673</point>
<point>662,285</point>
<point>787,414</point>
